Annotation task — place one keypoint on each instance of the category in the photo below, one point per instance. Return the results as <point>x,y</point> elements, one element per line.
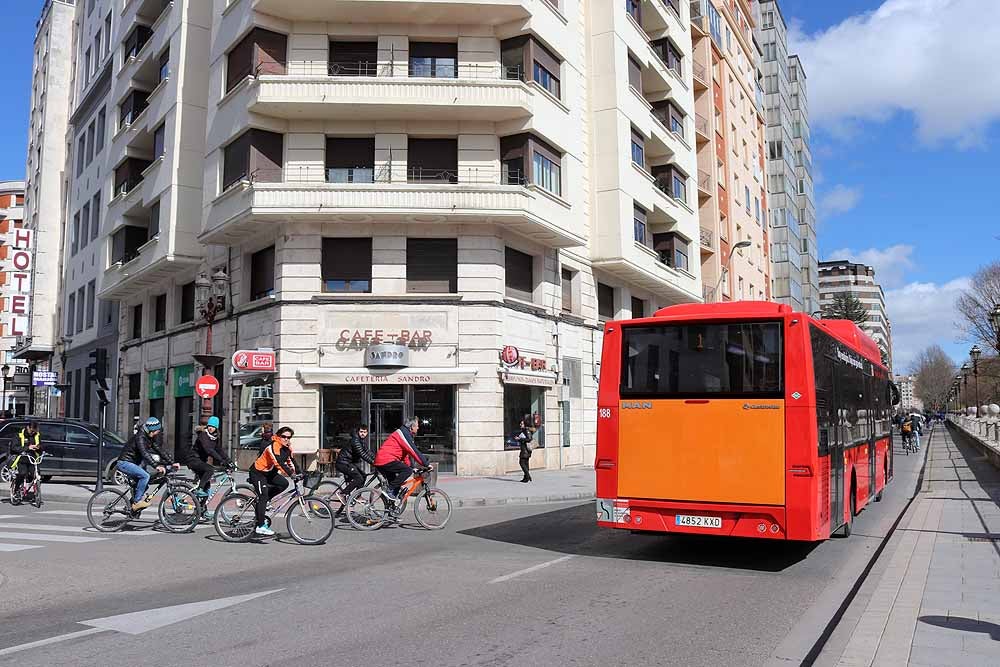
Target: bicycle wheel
<point>310,520</point>
<point>37,499</point>
<point>332,493</point>
<point>367,509</point>
<point>179,510</point>
<point>235,519</point>
<point>433,509</point>
<point>6,475</point>
<point>109,510</point>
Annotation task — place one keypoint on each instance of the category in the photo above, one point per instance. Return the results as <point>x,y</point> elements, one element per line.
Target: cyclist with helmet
<point>29,441</point>
<point>140,450</point>
<point>265,474</point>
<point>205,445</point>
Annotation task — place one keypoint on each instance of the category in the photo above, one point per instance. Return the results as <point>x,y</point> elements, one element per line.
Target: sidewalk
<point>938,600</point>
<point>548,486</point>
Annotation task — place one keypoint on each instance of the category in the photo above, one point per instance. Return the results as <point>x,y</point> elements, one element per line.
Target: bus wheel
<point>848,528</point>
<point>885,476</point>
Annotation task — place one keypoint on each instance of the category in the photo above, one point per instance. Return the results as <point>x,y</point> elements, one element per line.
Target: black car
<point>71,445</point>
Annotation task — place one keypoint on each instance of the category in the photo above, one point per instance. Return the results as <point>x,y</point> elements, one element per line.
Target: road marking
<point>527,570</point>
<point>45,537</point>
<point>18,547</point>
<point>138,622</point>
<point>60,512</point>
<point>56,528</point>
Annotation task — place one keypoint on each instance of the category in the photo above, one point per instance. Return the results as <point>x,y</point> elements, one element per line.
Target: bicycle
<point>432,507</point>
<point>110,510</point>
<point>309,518</point>
<point>175,509</point>
<point>333,492</point>
<point>29,488</point>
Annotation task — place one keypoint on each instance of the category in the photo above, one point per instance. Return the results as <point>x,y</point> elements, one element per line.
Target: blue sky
<point>904,97</point>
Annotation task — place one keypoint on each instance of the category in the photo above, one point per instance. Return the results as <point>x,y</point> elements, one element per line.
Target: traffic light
<point>98,368</point>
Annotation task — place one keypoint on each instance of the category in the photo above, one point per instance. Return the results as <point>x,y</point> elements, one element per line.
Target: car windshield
<point>248,429</point>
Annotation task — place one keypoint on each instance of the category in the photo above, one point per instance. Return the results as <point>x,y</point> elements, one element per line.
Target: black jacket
<point>205,445</point>
<point>523,437</point>
<point>140,449</point>
<point>355,452</point>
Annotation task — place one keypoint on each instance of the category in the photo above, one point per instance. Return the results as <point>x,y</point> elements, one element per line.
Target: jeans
<point>140,476</point>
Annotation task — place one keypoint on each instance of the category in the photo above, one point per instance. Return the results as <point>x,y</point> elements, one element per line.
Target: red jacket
<point>397,448</point>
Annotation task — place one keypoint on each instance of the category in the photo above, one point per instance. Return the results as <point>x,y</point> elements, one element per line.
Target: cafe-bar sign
<point>254,361</point>
<point>511,358</point>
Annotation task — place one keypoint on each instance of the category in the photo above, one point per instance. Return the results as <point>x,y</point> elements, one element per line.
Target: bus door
<point>873,408</point>
<point>837,438</point>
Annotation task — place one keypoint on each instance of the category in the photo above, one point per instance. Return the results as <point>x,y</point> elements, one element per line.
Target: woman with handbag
<point>524,440</point>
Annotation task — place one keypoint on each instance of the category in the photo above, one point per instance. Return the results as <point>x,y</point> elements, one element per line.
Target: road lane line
<point>51,640</point>
<point>59,512</point>
<point>56,528</point>
<point>18,547</point>
<point>45,537</point>
<point>527,570</point>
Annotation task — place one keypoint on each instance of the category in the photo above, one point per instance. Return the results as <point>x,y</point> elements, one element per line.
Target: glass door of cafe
<point>386,412</point>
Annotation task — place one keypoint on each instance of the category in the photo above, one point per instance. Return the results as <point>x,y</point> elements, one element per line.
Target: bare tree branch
<point>934,371</point>
<point>975,304</point>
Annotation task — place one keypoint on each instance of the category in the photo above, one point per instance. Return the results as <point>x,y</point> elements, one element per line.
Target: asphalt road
<point>518,585</point>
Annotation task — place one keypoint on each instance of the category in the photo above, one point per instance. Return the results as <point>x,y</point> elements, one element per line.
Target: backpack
<point>907,427</point>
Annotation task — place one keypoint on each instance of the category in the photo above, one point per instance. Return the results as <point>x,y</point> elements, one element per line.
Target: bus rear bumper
<point>693,518</point>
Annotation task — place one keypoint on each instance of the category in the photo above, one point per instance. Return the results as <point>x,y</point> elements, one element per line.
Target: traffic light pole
<point>100,449</point>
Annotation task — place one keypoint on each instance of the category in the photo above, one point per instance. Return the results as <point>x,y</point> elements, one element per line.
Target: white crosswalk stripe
<point>18,547</point>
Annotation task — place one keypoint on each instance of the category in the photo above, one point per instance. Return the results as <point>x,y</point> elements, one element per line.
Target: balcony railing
<point>707,238</point>
<point>701,125</point>
<point>385,174</point>
<point>700,72</point>
<point>704,181</point>
<point>708,293</point>
<point>404,70</point>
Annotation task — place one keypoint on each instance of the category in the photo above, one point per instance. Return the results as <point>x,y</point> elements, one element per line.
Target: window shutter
<point>432,265</point>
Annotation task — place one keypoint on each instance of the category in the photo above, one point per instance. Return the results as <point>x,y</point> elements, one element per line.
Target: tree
<point>976,303</point>
<point>846,306</point>
<point>935,372</point>
<point>884,354</point>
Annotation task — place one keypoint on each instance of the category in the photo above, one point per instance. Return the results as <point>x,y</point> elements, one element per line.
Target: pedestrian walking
<point>266,437</point>
<point>525,440</point>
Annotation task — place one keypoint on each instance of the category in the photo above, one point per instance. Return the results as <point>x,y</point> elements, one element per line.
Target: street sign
<point>206,386</point>
<point>45,378</point>
<point>254,361</point>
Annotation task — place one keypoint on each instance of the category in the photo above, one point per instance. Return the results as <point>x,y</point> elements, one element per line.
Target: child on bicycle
<point>29,441</point>
<point>265,474</point>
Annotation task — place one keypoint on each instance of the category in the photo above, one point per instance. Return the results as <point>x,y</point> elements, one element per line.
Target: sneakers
<point>141,505</point>
<point>263,530</point>
<point>201,494</point>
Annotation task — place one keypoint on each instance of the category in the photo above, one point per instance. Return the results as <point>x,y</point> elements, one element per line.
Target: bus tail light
<point>801,471</point>
<point>605,464</point>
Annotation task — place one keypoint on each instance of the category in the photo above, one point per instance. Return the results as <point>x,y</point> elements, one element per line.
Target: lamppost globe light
<point>965,368</point>
<point>975,353</point>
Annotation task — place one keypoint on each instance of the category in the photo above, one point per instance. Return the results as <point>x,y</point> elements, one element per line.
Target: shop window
<point>137,321</point>
<point>262,273</point>
<point>347,265</point>
<point>256,407</point>
<point>434,59</point>
<point>350,160</point>
<point>605,302</point>
<point>342,414</point>
<point>160,312</point>
<point>353,59</point>
<point>432,265</point>
<point>187,302</point>
<point>519,274</point>
<point>260,52</point>
<point>524,402</point>
<point>434,407</point>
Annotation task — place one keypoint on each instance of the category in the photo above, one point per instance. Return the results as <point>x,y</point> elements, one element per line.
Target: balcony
<point>422,12</point>
<point>704,185</point>
<point>708,293</point>
<point>706,238</point>
<point>479,93</point>
<point>700,75</point>
<point>702,130</point>
<point>390,194</point>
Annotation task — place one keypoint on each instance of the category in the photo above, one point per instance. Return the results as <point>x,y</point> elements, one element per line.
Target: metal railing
<point>704,181</point>
<point>404,70</point>
<point>699,71</point>
<point>706,237</point>
<point>701,125</point>
<point>708,293</point>
<point>389,173</point>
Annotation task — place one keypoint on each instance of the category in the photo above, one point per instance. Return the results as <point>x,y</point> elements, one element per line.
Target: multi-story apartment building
<point>729,126</point>
<point>14,296</point>
<point>907,389</point>
<point>842,277</point>
<point>44,180</point>
<point>793,212</point>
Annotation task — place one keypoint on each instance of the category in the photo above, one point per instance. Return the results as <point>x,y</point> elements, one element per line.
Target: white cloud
<point>923,314</point>
<point>890,264</point>
<point>933,58</point>
<point>839,200</point>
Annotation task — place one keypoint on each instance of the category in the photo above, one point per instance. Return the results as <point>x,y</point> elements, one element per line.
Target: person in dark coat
<point>524,438</point>
<point>353,454</point>
<point>266,437</point>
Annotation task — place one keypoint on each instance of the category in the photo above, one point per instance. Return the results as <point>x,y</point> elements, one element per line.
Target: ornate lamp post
<point>210,297</point>
<point>6,371</point>
<point>965,383</point>
<point>974,354</point>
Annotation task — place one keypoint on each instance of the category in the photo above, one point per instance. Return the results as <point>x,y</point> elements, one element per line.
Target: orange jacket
<point>277,454</point>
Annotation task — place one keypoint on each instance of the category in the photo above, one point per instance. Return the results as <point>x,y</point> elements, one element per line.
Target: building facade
<point>793,212</point>
<point>858,280</point>
<point>908,401</point>
<point>14,296</point>
<point>732,190</point>
<point>423,208</point>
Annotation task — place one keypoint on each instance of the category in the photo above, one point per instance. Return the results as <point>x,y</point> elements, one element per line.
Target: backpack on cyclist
<point>907,427</point>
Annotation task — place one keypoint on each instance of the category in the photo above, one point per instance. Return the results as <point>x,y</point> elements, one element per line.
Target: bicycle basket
<point>312,479</point>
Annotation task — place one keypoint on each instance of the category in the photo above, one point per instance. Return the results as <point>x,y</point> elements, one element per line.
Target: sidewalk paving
<point>938,600</point>
<point>569,484</point>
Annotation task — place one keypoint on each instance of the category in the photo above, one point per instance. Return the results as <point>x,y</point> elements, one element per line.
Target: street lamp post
<point>210,294</point>
<point>995,319</point>
<point>975,353</point>
<point>6,371</point>
<point>725,264</point>
<point>965,384</point>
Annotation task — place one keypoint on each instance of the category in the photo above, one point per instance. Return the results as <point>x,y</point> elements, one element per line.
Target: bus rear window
<point>703,360</point>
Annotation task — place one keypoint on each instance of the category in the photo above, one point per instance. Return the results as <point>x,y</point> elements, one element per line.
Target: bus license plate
<point>698,521</point>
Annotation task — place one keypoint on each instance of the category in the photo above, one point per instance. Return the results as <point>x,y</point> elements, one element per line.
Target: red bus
<point>740,419</point>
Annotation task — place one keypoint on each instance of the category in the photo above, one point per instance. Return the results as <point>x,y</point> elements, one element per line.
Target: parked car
<point>71,445</point>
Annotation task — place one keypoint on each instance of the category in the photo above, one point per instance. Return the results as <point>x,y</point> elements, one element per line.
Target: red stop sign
<point>206,386</point>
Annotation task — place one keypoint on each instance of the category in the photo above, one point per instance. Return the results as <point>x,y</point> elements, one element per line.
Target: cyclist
<point>398,455</point>
<point>906,430</point>
<point>351,455</point>
<point>265,474</point>
<point>28,440</point>
<point>142,449</point>
<point>205,445</point>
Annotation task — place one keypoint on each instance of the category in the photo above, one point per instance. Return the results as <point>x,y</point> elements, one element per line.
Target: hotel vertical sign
<point>17,288</point>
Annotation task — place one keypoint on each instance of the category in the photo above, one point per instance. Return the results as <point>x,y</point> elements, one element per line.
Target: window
<point>255,155</point>
<point>187,302</point>
<point>703,360</point>
<point>523,54</point>
<point>137,321</point>
<point>353,59</point>
<point>350,160</point>
<point>670,55</point>
<point>546,79</point>
<point>519,274</point>
<point>131,107</point>
<point>135,41</point>
<point>767,20</point>
<point>434,59</point>
<point>95,216</point>
<point>670,116</point>
<point>638,149</point>
<point>81,154</point>
<point>91,136</point>
<point>432,265</point>
<point>91,296</point>
<point>81,295</point>
<point>672,249</point>
<point>262,273</point>
<point>128,175</point>
<point>634,73</point>
<point>86,68</point>
<point>97,49</point>
<point>605,302</point>
<point>125,243</point>
<point>101,123</point>
<point>432,160</point>
<point>160,312</point>
<point>542,161</point>
<point>107,31</point>
<point>566,277</point>
<point>90,6</point>
<point>634,9</point>
<point>75,240</point>
<point>671,181</point>
<point>638,308</point>
<point>746,189</point>
<point>546,173</point>
<point>159,136</point>
<point>347,265</point>
<point>84,226</point>
<point>260,52</point>
<point>154,220</point>
<point>163,73</point>
<point>639,225</point>
<point>70,314</point>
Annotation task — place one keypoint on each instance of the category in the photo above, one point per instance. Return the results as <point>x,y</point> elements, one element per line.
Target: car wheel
<point>118,478</point>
